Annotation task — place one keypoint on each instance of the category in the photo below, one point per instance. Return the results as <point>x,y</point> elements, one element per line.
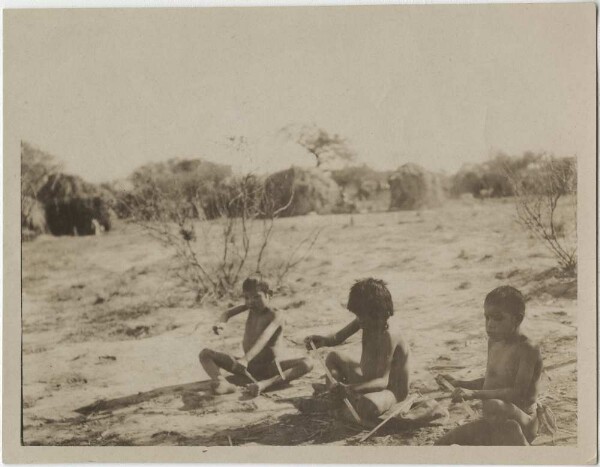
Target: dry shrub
<point>218,238</point>
<point>491,179</point>
<point>546,203</point>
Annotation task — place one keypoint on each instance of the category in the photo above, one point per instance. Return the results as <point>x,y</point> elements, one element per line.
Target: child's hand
<point>318,341</point>
<point>462,394</point>
<point>340,390</point>
<point>218,328</point>
<point>242,362</point>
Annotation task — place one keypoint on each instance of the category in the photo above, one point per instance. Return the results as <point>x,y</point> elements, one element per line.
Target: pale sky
<point>109,90</point>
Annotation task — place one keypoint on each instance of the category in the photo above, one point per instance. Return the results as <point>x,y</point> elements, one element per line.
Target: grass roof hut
<point>73,206</point>
<point>33,218</point>
<point>413,187</point>
<point>309,190</point>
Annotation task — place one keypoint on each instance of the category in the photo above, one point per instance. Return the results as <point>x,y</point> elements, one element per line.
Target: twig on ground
<point>554,366</point>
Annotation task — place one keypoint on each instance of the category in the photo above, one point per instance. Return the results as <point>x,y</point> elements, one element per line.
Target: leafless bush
<point>546,202</point>
<point>219,238</point>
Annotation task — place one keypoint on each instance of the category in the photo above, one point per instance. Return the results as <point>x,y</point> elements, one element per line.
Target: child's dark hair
<point>371,296</point>
<point>509,299</point>
<point>256,284</point>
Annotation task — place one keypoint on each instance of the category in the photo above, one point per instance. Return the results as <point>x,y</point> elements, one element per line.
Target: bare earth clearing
<point>104,317</point>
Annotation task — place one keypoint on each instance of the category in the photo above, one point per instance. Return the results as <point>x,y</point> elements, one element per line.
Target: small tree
<point>327,149</point>
<point>546,203</point>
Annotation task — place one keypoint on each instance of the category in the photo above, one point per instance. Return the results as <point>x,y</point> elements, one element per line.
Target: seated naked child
<point>381,378</point>
<point>261,344</point>
<point>510,386</point>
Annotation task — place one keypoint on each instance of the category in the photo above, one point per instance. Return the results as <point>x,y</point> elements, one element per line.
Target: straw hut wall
<point>310,190</point>
<point>33,218</point>
<point>72,205</point>
<point>413,187</point>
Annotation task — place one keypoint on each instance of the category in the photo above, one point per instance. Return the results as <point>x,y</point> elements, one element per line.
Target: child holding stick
<point>261,344</point>
<point>509,388</point>
<point>381,378</point>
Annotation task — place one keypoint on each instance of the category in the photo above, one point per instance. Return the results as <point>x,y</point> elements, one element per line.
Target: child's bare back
<point>381,377</point>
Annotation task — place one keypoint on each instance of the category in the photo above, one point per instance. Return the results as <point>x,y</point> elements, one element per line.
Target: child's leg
<point>371,405</point>
<point>501,426</point>
<point>498,411</point>
<point>343,368</point>
<point>508,433</point>
<point>212,361</point>
<point>292,369</point>
<point>475,433</point>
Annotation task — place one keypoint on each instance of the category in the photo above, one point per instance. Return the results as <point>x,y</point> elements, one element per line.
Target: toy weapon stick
<point>444,382</point>
<point>402,408</point>
<point>279,369</point>
<point>333,381</point>
<point>250,376</point>
<point>247,373</point>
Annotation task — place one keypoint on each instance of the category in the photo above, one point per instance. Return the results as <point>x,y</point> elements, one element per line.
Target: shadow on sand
<point>105,405</point>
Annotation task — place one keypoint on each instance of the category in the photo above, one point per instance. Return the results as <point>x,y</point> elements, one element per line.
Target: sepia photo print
<point>363,230</point>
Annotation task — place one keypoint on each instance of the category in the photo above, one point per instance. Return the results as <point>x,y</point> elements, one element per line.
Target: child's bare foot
<point>222,387</point>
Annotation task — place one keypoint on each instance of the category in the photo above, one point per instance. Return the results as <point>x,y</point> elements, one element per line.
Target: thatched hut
<point>305,190</point>
<point>33,218</point>
<point>72,205</point>
<point>481,180</point>
<point>413,187</point>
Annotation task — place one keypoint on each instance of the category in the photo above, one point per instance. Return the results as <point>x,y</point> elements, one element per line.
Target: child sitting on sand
<point>510,386</point>
<point>381,378</point>
<point>261,344</point>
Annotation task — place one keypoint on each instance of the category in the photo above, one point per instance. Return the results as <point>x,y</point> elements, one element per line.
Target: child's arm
<point>396,377</point>
<point>236,310</point>
<point>333,339</point>
<point>467,384</point>
<point>470,384</point>
<point>344,333</point>
<point>510,394</point>
<point>263,339</point>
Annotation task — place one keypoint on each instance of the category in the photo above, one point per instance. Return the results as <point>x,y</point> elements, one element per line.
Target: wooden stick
<point>561,364</point>
<point>464,404</point>
<point>279,369</point>
<point>333,381</point>
<point>404,407</point>
<point>250,376</point>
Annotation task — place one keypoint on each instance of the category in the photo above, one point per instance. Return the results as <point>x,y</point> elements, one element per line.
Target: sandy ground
<point>104,318</point>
